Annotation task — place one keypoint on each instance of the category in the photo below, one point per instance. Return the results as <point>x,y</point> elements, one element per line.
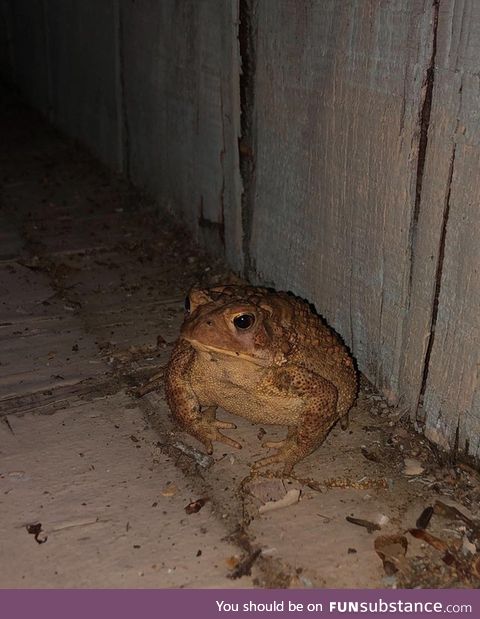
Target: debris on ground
<point>195,506</point>
<point>291,497</point>
<point>412,467</point>
<point>392,550</point>
<point>244,567</point>
<point>367,524</point>
<point>364,483</point>
<point>36,530</point>
<point>424,519</point>
<point>169,490</point>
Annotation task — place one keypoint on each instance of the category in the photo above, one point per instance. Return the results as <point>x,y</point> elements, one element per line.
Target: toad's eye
<point>244,321</point>
<point>187,304</point>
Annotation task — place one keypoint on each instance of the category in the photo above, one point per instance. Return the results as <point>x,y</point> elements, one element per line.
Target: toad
<point>262,355</point>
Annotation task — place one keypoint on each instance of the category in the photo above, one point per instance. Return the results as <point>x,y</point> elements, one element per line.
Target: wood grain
<point>338,93</point>
<point>447,268</point>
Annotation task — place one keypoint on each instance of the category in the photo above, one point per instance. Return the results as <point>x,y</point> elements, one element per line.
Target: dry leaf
<point>391,549</point>
<point>436,542</point>
<point>169,490</point>
<point>232,562</point>
<point>195,506</point>
<point>424,519</point>
<point>412,467</point>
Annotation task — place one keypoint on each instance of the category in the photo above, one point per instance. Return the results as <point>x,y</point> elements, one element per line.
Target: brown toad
<point>262,355</point>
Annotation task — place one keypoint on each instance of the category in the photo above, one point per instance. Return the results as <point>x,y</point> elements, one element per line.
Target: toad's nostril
<point>209,323</point>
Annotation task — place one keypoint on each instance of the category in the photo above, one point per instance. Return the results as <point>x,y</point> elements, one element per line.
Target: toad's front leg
<point>319,413</point>
<point>184,404</point>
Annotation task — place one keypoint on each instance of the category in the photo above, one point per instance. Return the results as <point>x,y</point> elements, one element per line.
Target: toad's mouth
<point>201,347</point>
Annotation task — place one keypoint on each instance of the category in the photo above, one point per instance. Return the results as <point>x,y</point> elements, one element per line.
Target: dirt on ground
<point>99,488</point>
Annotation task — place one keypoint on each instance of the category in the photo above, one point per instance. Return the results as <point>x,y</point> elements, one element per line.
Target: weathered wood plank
<point>179,66</point>
<point>26,55</point>
<point>83,74</point>
<point>445,337</point>
<point>339,87</point>
<point>47,401</point>
<point>451,401</point>
<point>43,347</point>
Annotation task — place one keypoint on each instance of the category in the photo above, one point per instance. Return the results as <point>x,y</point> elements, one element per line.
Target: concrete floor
<point>92,281</point>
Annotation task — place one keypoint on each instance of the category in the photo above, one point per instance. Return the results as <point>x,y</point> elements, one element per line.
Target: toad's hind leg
<point>319,398</point>
<point>185,406</point>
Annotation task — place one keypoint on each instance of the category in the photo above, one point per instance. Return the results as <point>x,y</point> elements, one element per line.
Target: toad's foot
<point>288,454</point>
<point>206,431</point>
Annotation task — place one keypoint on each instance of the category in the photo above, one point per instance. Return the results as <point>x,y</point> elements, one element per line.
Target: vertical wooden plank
<point>441,357</point>
<point>451,400</point>
<point>6,55</point>
<point>452,390</point>
<point>339,88</point>
<point>179,72</point>
<point>428,231</point>
<point>232,182</point>
<point>159,95</point>
<point>82,62</point>
<point>28,51</point>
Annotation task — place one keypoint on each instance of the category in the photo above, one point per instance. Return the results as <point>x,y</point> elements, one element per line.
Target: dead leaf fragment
<point>381,519</point>
<point>169,490</point>
<point>448,511</point>
<point>266,489</point>
<point>391,549</point>
<point>412,467</point>
<point>195,506</point>
<point>424,519</point>
<point>232,562</point>
<point>436,542</point>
